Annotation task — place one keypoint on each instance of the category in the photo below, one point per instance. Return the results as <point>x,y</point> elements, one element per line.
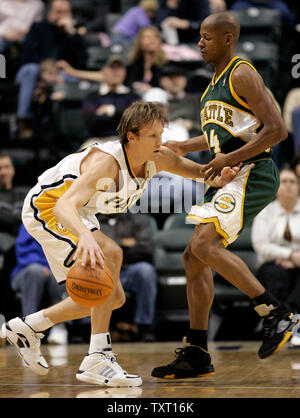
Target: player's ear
<point>228,38</point>
<point>130,136</point>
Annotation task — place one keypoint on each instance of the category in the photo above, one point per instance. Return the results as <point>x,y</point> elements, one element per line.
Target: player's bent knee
<point>115,252</point>
<point>193,265</point>
<point>120,298</point>
<point>187,256</point>
<point>199,248</point>
<point>112,251</point>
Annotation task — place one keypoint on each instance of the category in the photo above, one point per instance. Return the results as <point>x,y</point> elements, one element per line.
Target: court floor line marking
<point>152,388</point>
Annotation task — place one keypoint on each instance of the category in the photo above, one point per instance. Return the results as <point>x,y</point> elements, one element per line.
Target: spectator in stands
<point>54,38</point>
<point>291,115</point>
<point>276,240</point>
<point>90,21</point>
<point>103,109</point>
<point>44,93</point>
<point>295,165</point>
<point>182,106</point>
<point>183,16</point>
<point>136,18</point>
<point>35,282</point>
<point>94,76</point>
<point>166,9</point>
<point>16,18</point>
<point>172,190</point>
<point>174,129</point>
<point>11,202</point>
<point>11,197</point>
<point>133,234</point>
<point>146,60</point>
<point>217,6</point>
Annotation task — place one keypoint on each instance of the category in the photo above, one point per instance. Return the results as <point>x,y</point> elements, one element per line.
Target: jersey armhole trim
<point>237,98</point>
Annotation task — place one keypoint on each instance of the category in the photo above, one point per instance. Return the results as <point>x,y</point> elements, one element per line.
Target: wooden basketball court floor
<point>239,373</point>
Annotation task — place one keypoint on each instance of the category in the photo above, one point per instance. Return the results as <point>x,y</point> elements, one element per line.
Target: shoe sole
<point>87,377</point>
<point>42,370</point>
<point>209,372</point>
<point>173,376</point>
<point>285,339</point>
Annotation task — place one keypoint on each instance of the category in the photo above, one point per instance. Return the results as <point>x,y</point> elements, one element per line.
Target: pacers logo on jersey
<point>225,203</point>
<point>60,228</point>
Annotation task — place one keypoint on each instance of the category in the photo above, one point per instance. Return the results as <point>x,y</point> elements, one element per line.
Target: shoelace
<point>35,346</point>
<point>268,327</point>
<point>112,357</point>
<point>179,354</point>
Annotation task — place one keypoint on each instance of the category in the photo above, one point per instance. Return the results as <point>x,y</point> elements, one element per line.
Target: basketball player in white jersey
<point>59,212</point>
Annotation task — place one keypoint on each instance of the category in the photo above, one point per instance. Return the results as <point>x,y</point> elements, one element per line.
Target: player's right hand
<point>88,250</point>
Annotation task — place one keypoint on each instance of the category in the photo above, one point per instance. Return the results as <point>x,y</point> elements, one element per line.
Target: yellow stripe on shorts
<point>43,205</point>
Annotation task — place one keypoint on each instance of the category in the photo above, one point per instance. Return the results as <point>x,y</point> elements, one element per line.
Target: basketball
<point>88,287</point>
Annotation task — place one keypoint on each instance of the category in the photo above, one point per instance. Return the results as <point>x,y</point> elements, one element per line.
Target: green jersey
<point>227,120</point>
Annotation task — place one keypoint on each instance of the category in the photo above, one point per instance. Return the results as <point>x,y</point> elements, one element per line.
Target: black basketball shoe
<point>191,361</point>
<point>278,326</point>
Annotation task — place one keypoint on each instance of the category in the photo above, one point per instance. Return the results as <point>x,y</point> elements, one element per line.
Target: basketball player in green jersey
<point>240,122</point>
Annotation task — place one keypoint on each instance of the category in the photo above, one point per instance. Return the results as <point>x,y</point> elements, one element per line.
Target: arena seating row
<point>172,309</point>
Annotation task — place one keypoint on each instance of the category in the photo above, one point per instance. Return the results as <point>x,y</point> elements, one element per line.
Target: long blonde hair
<point>159,59</point>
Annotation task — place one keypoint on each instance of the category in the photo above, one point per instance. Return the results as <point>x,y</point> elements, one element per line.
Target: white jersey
<point>38,217</point>
<point>124,195</point>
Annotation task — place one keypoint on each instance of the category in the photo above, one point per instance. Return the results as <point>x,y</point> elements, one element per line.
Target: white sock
<point>99,342</point>
<point>38,321</point>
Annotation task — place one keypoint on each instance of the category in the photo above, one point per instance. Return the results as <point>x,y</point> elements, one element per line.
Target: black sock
<point>265,303</point>
<point>197,337</point>
<point>266,298</point>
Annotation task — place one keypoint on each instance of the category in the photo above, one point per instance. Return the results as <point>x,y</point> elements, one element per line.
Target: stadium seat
<point>110,21</point>
<point>97,55</point>
<point>231,307</point>
<point>264,56</point>
<point>228,299</point>
<point>172,309</point>
<point>125,5</point>
<point>169,246</point>
<point>198,80</point>
<point>69,121</point>
<point>77,92</point>
<point>69,127</point>
<point>259,21</point>
<point>177,220</point>
<point>170,243</point>
<point>67,114</point>
<point>152,221</point>
<point>242,247</point>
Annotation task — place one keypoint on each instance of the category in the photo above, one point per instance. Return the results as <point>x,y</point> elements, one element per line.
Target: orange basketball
<point>88,287</point>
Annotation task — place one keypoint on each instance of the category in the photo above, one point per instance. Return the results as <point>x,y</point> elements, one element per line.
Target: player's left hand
<point>214,167</point>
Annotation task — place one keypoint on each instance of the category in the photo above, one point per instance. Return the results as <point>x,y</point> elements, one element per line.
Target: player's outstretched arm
<point>195,144</point>
<point>169,161</point>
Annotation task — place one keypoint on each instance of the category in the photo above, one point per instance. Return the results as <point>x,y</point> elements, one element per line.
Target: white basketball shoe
<point>27,342</point>
<point>101,368</point>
